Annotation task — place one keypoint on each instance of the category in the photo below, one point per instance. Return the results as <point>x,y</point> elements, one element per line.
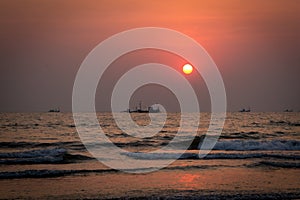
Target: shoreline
<point>221,183</point>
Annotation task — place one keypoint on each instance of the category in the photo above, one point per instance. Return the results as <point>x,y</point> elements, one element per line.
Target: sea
<point>47,145</point>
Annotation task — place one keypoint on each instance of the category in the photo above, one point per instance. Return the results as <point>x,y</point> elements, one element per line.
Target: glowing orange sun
<point>187,68</point>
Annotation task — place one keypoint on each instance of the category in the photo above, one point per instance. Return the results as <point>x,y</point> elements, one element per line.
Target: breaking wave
<point>41,156</point>
<point>162,156</point>
<point>252,145</point>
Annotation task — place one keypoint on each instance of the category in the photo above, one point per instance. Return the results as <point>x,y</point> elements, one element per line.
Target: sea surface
<point>46,145</point>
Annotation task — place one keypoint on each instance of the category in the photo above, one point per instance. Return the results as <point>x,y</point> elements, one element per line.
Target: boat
<point>140,110</point>
<point>56,110</point>
<point>245,110</point>
<point>288,110</point>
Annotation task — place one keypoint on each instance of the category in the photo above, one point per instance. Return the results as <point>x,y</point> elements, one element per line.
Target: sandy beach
<point>238,183</point>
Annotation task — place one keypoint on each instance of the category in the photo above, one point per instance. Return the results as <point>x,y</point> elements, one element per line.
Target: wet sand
<point>238,183</point>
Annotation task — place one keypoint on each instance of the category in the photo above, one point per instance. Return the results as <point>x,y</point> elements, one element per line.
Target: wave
<point>242,135</point>
<point>44,173</point>
<point>250,155</point>
<point>251,145</point>
<point>48,173</point>
<point>284,123</point>
<point>59,173</point>
<point>34,153</point>
<point>162,156</point>
<point>41,156</point>
<point>70,144</point>
<point>16,144</point>
<point>278,164</point>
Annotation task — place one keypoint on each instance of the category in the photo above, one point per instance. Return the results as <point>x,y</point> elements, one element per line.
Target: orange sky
<point>255,44</point>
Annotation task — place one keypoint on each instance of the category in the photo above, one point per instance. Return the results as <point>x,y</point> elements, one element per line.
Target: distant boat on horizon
<point>140,110</point>
<point>288,110</point>
<point>56,110</point>
<point>245,110</point>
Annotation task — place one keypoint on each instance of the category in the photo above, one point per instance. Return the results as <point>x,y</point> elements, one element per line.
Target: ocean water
<point>47,145</point>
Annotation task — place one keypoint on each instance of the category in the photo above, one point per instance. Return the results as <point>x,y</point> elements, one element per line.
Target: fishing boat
<point>245,110</point>
<point>140,110</point>
<point>56,110</point>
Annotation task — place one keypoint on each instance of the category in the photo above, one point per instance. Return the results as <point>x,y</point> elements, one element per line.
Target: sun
<point>187,68</point>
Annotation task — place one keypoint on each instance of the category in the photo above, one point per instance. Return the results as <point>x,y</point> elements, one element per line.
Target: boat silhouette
<point>140,110</point>
<point>245,110</point>
<point>54,110</point>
